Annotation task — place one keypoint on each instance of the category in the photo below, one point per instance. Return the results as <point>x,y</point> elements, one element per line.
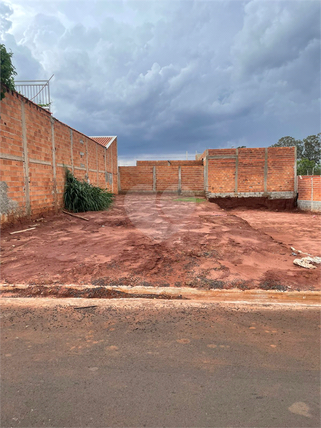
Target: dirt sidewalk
<point>148,240</point>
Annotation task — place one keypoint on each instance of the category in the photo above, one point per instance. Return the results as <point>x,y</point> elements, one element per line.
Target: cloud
<point>174,76</point>
<point>274,34</point>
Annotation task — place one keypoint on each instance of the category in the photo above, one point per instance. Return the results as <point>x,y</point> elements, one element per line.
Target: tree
<point>7,71</point>
<point>308,167</point>
<point>308,153</point>
<point>289,142</point>
<point>312,148</point>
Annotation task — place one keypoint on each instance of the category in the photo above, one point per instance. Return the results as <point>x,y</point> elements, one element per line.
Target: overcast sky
<point>168,77</point>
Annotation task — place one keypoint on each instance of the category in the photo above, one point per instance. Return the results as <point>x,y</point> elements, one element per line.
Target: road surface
<point>126,363</point>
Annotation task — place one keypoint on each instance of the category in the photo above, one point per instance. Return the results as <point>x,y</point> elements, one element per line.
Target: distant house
<point>111,162</point>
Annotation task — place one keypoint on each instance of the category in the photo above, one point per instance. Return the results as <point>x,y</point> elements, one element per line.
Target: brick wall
<point>34,148</point>
<point>167,178</point>
<point>309,189</point>
<point>163,176</point>
<point>170,163</point>
<point>136,178</point>
<point>251,172</point>
<point>192,179</point>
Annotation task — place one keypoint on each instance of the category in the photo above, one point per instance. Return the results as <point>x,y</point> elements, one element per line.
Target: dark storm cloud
<point>167,77</point>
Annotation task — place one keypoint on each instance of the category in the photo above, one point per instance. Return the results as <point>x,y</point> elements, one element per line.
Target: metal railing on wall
<point>37,91</point>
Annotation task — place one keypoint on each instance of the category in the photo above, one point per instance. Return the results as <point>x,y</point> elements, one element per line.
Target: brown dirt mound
<point>88,293</point>
<point>256,203</point>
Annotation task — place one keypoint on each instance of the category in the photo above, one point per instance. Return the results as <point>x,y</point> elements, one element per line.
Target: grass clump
<point>80,196</point>
<point>190,199</point>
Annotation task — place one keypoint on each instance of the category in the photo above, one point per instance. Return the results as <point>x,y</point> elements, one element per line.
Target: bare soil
<point>158,240</point>
<point>80,293</point>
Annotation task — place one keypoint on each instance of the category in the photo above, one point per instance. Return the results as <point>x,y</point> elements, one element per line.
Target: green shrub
<point>80,196</point>
<point>7,71</point>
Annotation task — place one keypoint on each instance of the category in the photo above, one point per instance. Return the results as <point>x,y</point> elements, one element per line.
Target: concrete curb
<point>257,296</point>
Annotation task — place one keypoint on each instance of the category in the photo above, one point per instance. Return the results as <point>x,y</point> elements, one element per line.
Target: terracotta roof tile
<point>103,141</point>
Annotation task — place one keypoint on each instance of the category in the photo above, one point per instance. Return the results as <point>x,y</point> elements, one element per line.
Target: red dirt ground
<point>159,241</point>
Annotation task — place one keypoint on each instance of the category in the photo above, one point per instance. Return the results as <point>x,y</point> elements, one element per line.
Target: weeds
<point>273,285</point>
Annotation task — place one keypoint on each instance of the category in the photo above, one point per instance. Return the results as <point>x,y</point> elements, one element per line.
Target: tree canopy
<point>308,167</point>
<point>308,152</point>
<point>312,148</point>
<point>7,71</point>
<point>289,142</point>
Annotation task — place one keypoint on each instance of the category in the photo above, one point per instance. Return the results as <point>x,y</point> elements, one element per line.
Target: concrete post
<point>206,172</point>
<point>54,171</point>
<point>154,179</point>
<point>25,159</point>
<point>97,165</point>
<point>295,172</point>
<point>87,160</point>
<point>311,193</point>
<point>179,180</point>
<point>265,169</point>
<point>236,170</point>
<point>72,150</point>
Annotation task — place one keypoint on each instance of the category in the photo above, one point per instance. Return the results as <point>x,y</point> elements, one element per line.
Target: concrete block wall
<point>163,176</point>
<point>34,148</point>
<point>309,190</point>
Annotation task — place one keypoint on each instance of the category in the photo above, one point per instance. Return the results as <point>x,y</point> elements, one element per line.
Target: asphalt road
<point>136,363</point>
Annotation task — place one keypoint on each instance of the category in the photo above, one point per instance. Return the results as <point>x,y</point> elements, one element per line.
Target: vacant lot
<point>164,241</point>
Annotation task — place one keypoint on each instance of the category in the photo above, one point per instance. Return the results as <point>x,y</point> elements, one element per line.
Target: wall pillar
<point>97,165</point>
<point>72,150</point>
<point>265,169</point>
<point>312,193</point>
<point>119,185</point>
<point>87,160</point>
<point>295,171</point>
<point>25,159</point>
<point>54,171</point>
<point>112,168</point>
<point>206,172</point>
<point>154,179</point>
<point>236,170</point>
